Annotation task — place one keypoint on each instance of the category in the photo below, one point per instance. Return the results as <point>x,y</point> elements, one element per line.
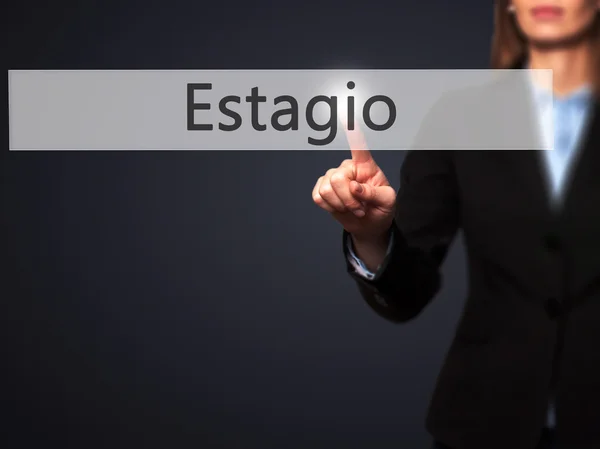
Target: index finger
<point>358,145</point>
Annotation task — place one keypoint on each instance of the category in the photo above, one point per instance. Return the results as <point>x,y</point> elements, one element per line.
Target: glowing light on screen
<point>350,99</point>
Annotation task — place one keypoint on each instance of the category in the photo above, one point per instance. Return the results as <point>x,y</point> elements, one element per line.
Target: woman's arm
<point>425,223</point>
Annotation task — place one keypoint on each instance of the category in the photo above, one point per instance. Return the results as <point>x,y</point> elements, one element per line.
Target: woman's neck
<point>571,68</point>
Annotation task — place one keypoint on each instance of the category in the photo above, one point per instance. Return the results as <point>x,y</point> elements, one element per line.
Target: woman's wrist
<point>375,240</point>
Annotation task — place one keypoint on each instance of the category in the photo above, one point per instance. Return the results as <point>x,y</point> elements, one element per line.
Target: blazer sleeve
<point>425,223</point>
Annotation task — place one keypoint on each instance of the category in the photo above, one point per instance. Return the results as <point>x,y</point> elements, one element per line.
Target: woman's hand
<point>357,193</point>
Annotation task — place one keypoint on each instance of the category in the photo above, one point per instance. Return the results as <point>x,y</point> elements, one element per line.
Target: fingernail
<point>359,213</point>
<point>359,188</point>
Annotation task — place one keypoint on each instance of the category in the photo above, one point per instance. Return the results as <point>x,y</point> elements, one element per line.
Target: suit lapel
<point>528,166</point>
<point>586,167</point>
<point>579,221</point>
<point>531,172</point>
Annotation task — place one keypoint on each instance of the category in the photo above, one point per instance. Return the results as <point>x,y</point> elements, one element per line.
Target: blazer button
<point>553,307</point>
<point>380,300</point>
<point>552,242</point>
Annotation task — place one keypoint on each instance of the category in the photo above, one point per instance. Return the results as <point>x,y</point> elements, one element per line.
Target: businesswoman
<point>523,370</point>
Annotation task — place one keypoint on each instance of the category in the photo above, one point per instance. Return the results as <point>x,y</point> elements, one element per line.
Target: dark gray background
<point>200,299</point>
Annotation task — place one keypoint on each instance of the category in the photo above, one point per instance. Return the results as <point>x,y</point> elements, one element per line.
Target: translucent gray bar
<point>169,110</point>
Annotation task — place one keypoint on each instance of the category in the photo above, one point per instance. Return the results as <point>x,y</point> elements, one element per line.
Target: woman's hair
<point>509,48</point>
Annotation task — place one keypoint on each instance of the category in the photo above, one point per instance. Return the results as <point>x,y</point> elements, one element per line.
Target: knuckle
<point>338,177</point>
<point>317,184</point>
<point>325,189</point>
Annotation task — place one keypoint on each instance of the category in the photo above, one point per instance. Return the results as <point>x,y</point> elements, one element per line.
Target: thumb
<point>379,196</point>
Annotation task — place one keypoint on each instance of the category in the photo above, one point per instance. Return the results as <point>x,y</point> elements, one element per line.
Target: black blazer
<point>531,323</point>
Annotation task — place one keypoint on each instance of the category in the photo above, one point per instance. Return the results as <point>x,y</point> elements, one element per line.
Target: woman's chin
<point>553,41</point>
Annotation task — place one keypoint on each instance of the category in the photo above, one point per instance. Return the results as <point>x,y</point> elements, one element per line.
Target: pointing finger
<point>358,145</point>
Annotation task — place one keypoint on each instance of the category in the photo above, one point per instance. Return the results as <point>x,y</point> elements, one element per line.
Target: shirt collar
<point>544,96</point>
